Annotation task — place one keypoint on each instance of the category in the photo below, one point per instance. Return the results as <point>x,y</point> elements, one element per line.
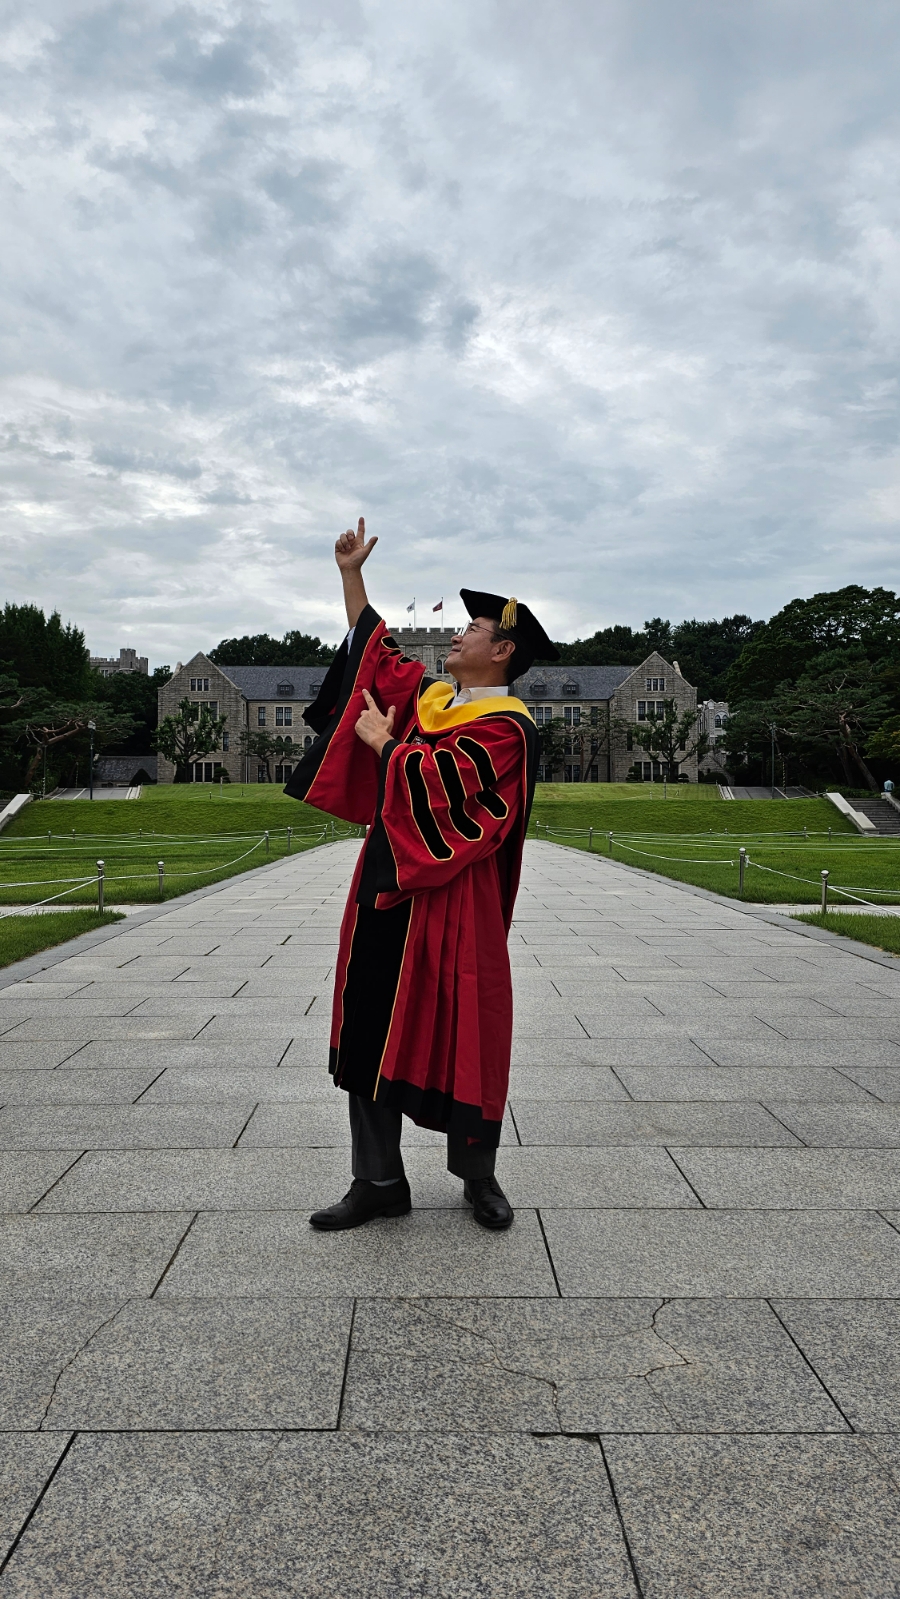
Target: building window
<point>594,775</point>
<point>225,743</point>
<point>282,773</point>
<point>648,709</point>
<point>629,740</point>
<point>260,716</point>
<point>540,713</point>
<point>656,685</point>
<point>439,666</point>
<point>721,721</point>
<point>572,715</point>
<point>573,774</point>
<point>200,685</point>
<point>307,742</point>
<point>595,716</point>
<point>262,775</point>
<point>284,716</point>
<point>285,688</point>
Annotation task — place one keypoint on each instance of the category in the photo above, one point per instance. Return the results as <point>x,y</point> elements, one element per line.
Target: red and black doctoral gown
<point>422,1012</point>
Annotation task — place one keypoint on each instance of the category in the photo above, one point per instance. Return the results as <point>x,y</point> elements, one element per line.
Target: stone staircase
<point>884,816</point>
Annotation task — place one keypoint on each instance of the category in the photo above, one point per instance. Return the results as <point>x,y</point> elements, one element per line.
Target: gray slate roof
<point>122,768</point>
<point>590,682</point>
<point>586,682</point>
<point>268,682</point>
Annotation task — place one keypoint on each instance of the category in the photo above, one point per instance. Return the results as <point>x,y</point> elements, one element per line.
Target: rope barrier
<point>15,909</point>
<point>320,834</point>
<point>621,841</point>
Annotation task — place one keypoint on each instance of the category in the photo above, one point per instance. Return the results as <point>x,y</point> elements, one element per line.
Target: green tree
<point>188,736</point>
<point>260,649</point>
<point>835,706</point>
<point>258,745</point>
<point>50,726</point>
<point>552,740</point>
<point>43,653</point>
<point>671,737</point>
<point>782,650</point>
<point>611,646</point>
<point>136,695</point>
<point>884,745</point>
<point>705,651</point>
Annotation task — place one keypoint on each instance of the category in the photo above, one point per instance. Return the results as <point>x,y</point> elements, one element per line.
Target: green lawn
<point>695,835</point>
<point>26,935</point>
<point>882,931</point>
<point>202,833</point>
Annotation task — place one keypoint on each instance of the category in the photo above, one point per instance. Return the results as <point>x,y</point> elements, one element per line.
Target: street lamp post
<point>772,732</point>
<point>92,728</point>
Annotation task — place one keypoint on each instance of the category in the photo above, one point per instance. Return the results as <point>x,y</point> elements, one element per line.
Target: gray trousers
<point>375,1131</point>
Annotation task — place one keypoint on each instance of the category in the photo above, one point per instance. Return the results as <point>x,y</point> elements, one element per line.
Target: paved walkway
<point>676,1376</point>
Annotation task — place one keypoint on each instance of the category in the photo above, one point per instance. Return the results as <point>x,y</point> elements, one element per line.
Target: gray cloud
<point>595,302</point>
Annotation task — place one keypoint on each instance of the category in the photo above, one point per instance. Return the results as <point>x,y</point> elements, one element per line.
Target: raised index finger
<point>361,529</point>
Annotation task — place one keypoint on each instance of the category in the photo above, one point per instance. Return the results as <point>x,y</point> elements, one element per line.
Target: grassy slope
<point>694,836</point>
<point>881,931</point>
<point>193,828</point>
<point>26,935</point>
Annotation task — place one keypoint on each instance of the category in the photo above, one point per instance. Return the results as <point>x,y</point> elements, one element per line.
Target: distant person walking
<point>422,1012</point>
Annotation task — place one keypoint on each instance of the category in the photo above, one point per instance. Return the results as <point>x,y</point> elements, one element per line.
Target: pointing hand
<point>373,728</point>
<point>352,549</point>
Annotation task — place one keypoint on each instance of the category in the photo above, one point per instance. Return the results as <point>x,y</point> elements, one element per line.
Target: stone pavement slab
<point>438,1516</point>
<point>853,1345</point>
<point>814,1518</point>
<point>176,1365</point>
<point>679,1362</point>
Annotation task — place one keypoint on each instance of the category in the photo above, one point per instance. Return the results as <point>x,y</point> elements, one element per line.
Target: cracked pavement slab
<point>580,1366</point>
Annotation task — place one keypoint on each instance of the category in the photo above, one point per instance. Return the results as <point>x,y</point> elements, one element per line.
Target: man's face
<point>478,655</point>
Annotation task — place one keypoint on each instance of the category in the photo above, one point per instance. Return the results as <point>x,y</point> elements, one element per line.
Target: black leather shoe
<point>490,1205</point>
<point>362,1203</point>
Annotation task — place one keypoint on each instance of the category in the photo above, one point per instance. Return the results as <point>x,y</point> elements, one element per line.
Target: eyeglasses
<point>474,628</point>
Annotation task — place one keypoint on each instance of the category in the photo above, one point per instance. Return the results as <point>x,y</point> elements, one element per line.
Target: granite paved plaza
<point>676,1376</point>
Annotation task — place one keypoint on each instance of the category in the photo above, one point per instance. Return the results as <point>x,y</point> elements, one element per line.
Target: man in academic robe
<point>422,1011</point>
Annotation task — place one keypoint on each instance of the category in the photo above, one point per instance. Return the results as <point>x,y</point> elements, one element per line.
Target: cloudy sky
<point>596,301</point>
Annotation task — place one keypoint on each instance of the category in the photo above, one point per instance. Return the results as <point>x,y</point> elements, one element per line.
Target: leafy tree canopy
<point>704,650</point>
<point>782,649</point>
<point>136,695</point>
<point>44,654</point>
<point>260,649</point>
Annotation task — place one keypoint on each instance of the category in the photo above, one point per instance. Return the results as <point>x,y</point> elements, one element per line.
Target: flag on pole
<point>411,607</point>
<point>439,606</point>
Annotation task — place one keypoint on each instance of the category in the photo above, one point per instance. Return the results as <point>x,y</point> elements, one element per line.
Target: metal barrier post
<point>267,843</point>
<point>49,838</point>
<point>829,835</point>
<point>824,892</point>
<point>590,838</point>
<point>161,870</point>
<point>100,871</point>
<point>805,833</point>
<point>742,867</point>
<point>610,843</point>
<point>290,834</point>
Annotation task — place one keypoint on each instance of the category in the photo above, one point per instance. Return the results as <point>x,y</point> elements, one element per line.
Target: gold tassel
<point>510,615</point>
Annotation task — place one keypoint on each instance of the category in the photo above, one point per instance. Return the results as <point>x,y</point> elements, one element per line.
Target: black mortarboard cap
<point>515,619</point>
